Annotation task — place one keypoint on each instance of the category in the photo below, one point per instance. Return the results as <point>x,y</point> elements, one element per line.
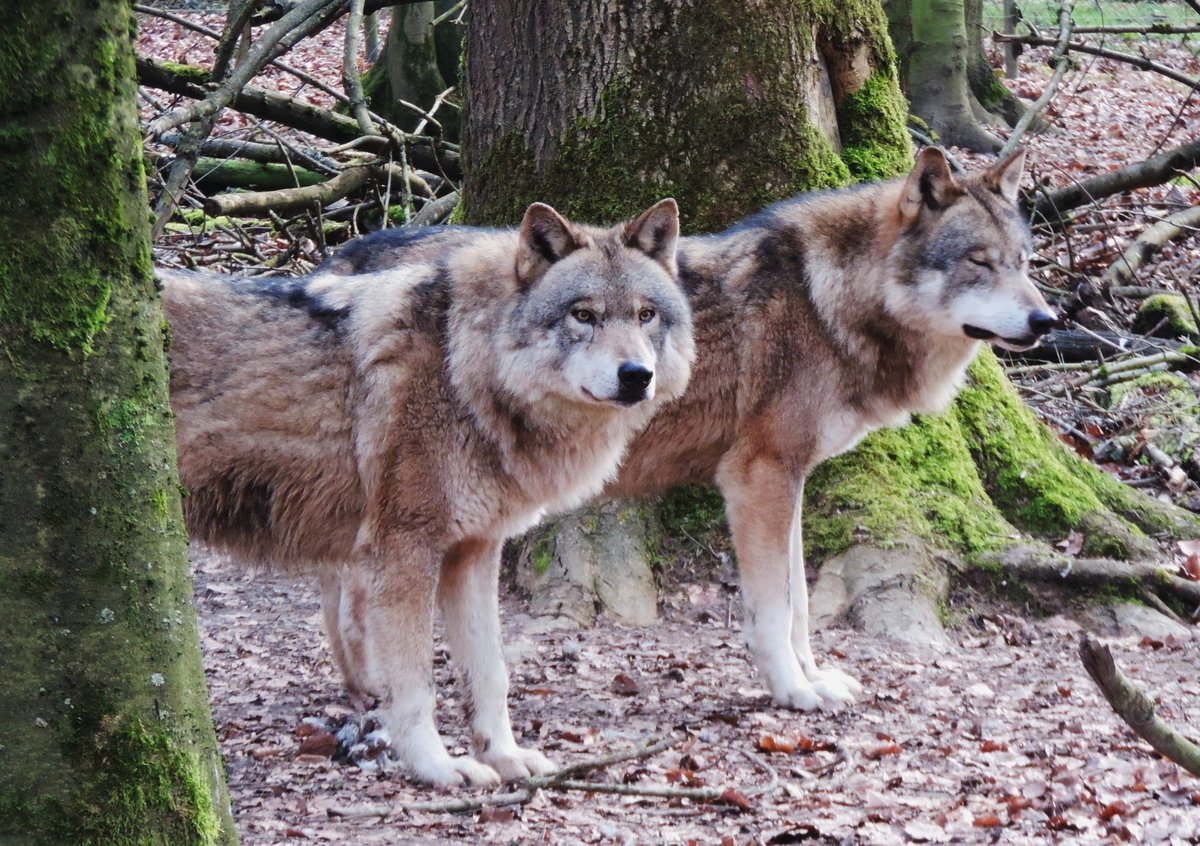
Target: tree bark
<point>723,104</point>
<point>105,729</point>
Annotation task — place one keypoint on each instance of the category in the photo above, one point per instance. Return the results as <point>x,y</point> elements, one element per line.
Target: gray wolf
<point>393,428</point>
<point>817,321</point>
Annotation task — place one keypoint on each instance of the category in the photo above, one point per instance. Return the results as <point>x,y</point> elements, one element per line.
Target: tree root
<point>1044,566</point>
<point>1135,708</point>
<point>565,780</point>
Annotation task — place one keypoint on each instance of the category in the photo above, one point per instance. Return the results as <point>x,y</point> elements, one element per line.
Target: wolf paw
<point>515,763</point>
<point>834,687</point>
<point>455,772</point>
<point>799,697</point>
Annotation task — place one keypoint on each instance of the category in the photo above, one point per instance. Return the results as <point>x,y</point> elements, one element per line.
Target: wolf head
<point>962,257</point>
<point>601,320</point>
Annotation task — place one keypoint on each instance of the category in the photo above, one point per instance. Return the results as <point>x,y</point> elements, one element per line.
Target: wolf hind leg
<point>468,594</point>
<point>343,598</point>
<point>398,626</point>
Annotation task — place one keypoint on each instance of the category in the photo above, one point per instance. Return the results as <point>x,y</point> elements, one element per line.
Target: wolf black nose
<point>1041,322</point>
<point>634,377</point>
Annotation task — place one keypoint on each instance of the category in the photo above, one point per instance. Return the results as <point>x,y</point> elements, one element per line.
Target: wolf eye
<point>647,314</point>
<point>583,315</point>
<point>980,262</point>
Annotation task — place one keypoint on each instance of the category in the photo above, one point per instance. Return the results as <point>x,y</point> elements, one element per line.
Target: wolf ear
<point>545,237</point>
<point>656,233</point>
<point>930,185</point>
<point>1005,176</point>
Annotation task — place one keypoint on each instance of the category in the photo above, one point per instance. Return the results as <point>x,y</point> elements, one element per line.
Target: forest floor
<point>996,737</point>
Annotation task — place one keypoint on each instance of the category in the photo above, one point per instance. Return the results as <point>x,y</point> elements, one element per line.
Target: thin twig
<point>563,780</point>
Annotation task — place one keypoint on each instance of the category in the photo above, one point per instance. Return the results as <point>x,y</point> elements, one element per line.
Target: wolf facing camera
<point>391,429</point>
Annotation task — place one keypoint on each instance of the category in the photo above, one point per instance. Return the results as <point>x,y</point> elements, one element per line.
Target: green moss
<point>875,144</point>
<point>1043,487</point>
<point>1166,314</point>
<point>919,478</point>
<point>541,552</point>
<point>143,775</point>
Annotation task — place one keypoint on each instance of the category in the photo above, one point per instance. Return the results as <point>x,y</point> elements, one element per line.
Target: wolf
<point>818,320</point>
<point>399,425</point>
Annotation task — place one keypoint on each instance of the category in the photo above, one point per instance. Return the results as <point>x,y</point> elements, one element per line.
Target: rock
<point>597,561</point>
<point>1129,619</point>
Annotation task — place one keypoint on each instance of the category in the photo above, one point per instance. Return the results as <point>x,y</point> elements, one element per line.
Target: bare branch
<point>351,80</point>
<point>1135,708</point>
<point>236,26</point>
<point>278,39</point>
<point>1127,58</point>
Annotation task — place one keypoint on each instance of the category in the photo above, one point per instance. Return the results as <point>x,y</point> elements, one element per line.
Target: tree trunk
<point>105,729</point>
<point>935,60</point>
<point>990,100</point>
<point>410,67</point>
<point>728,105</point>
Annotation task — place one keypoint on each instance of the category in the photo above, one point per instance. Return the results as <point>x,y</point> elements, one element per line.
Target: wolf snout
<point>633,378</point>
<point>1041,322</point>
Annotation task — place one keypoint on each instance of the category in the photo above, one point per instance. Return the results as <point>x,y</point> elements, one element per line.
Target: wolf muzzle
<point>632,380</point>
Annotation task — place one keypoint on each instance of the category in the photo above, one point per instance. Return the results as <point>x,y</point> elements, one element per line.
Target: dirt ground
<point>998,738</point>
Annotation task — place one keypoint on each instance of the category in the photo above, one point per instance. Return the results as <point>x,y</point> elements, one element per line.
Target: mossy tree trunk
<point>939,68</point>
<point>728,105</point>
<point>105,730</point>
<point>417,63</point>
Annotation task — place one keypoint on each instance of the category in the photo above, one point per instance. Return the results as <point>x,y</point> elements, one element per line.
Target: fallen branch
<point>436,211</point>
<point>184,80</point>
<point>1073,347</point>
<point>1124,270</point>
<point>1135,708</point>
<point>1153,171</point>
<point>287,200</point>
<point>1058,61</point>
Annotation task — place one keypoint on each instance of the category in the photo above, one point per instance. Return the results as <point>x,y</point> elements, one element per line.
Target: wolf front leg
<point>762,500</point>
<point>831,684</point>
<point>468,594</point>
<point>398,629</point>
